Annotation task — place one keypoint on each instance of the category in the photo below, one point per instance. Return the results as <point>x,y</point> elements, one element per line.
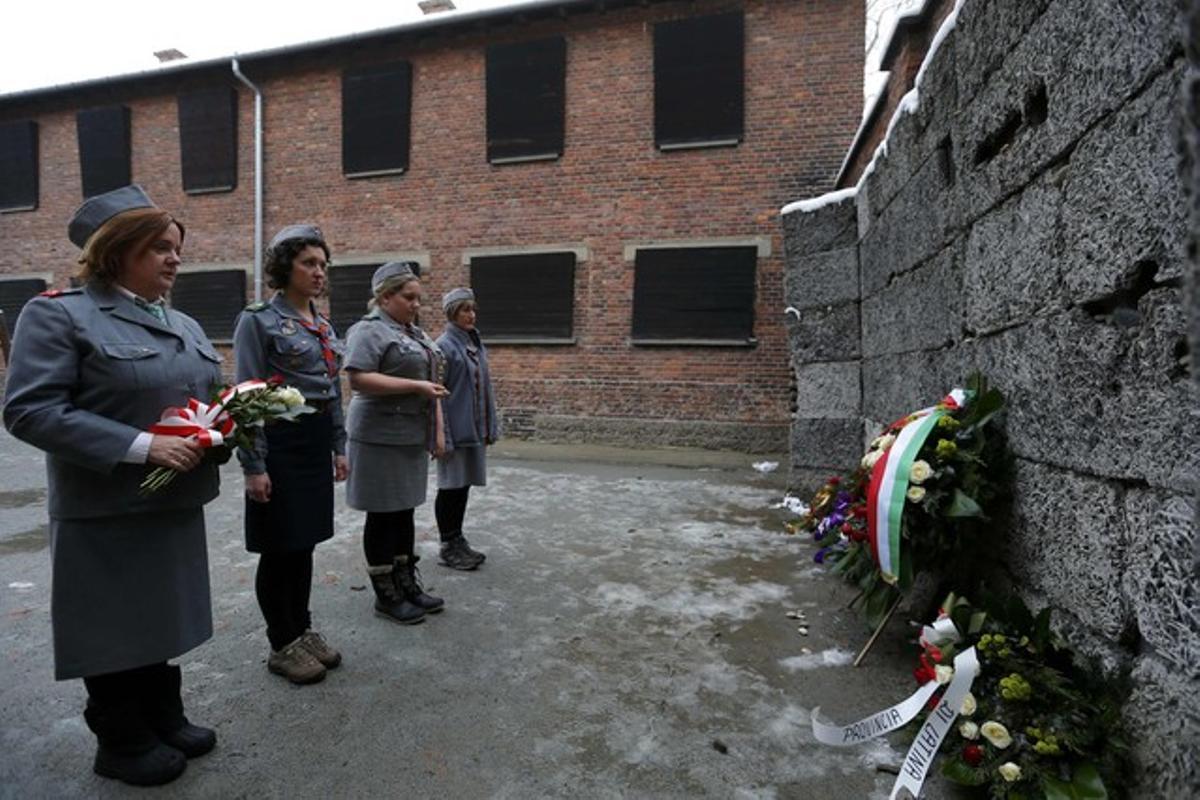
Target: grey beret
<point>98,210</point>
<point>304,231</point>
<point>394,272</point>
<point>459,295</point>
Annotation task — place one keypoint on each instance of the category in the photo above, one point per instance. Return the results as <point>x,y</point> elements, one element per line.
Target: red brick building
<point>606,174</point>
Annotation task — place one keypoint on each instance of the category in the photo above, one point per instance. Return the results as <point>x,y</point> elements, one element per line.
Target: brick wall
<point>611,187</point>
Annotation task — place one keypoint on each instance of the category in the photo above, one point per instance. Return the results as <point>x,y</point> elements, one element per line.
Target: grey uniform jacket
<point>270,339</point>
<point>470,410</point>
<point>377,343</point>
<point>90,371</point>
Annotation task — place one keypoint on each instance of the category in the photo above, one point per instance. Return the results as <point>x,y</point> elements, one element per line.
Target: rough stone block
<point>985,35</point>
<point>1161,578</point>
<point>830,227</point>
<point>1011,262</point>
<point>1091,396</point>
<point>826,333</point>
<point>1071,555</point>
<point>821,279</point>
<point>899,383</point>
<point>826,443</point>
<point>1080,61</point>
<point>914,227</point>
<point>829,390</point>
<point>1122,197</point>
<point>921,134</point>
<point>1163,715</point>
<point>919,310</point>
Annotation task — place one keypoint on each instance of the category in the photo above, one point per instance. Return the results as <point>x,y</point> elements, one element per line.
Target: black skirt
<point>300,465</point>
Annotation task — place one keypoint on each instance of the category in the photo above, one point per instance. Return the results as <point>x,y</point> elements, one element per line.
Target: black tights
<point>115,689</point>
<point>387,534</point>
<point>283,585</point>
<point>450,507</point>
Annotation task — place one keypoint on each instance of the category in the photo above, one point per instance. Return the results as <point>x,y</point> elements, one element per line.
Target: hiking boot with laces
<point>315,643</point>
<point>455,555</point>
<point>295,663</point>
<point>408,584</point>
<point>471,551</point>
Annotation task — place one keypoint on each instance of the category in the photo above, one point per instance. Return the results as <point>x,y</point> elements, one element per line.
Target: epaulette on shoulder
<point>259,306</point>
<point>60,292</point>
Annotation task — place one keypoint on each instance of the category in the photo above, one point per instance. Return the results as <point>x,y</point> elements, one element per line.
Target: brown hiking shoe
<point>315,644</point>
<point>295,663</point>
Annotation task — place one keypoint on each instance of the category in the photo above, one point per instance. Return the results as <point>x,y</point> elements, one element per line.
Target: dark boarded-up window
<point>376,103</point>
<point>525,99</point>
<point>694,293</point>
<point>527,296</point>
<point>212,298</point>
<point>208,139</point>
<point>18,165</point>
<point>698,66</point>
<point>103,148</point>
<point>349,293</point>
<point>15,294</point>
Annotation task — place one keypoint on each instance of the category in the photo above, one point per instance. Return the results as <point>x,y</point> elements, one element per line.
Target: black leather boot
<point>162,708</point>
<point>408,584</point>
<point>128,750</point>
<point>389,602</point>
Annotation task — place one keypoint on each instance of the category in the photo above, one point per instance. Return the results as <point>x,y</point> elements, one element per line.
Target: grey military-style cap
<point>394,273</point>
<point>98,210</point>
<point>302,231</point>
<point>459,295</point>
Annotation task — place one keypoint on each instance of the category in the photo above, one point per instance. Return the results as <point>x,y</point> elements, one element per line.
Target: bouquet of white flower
<point>229,421</point>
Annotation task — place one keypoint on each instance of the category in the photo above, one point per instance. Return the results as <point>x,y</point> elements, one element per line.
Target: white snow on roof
<point>907,105</point>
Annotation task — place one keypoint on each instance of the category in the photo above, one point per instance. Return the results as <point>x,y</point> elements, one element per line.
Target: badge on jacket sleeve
<point>287,326</point>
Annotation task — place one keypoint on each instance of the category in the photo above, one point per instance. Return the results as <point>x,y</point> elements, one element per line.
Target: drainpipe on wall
<point>258,179</point>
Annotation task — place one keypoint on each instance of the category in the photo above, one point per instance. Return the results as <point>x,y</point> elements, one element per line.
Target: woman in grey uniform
<point>394,422</point>
<point>92,369</point>
<point>291,471</point>
<point>471,426</point>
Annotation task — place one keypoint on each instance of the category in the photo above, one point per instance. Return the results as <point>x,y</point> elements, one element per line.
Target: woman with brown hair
<point>92,369</point>
<point>291,471</point>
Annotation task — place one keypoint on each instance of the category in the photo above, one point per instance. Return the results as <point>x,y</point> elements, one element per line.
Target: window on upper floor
<point>376,109</point>
<point>698,81</point>
<point>208,139</point>
<point>103,148</point>
<point>15,292</point>
<point>694,295</point>
<point>214,298</point>
<point>525,297</point>
<point>526,90</point>
<point>18,165</point>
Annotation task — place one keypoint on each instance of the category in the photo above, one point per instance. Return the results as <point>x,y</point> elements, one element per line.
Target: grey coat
<point>377,343</point>
<point>89,371</point>
<point>470,410</point>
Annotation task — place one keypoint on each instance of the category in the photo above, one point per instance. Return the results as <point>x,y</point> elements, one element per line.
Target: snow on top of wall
<point>907,105</point>
<point>813,203</point>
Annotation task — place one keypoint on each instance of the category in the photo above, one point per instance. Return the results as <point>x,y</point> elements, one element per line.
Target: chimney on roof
<point>172,54</point>
<point>435,6</point>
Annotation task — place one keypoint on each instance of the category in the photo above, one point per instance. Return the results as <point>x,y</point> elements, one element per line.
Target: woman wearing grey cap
<point>92,369</point>
<point>394,422</point>
<point>471,425</point>
<point>291,471</point>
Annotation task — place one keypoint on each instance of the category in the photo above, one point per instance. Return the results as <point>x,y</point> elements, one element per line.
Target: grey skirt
<point>466,466</point>
<point>386,477</point>
<point>128,590</point>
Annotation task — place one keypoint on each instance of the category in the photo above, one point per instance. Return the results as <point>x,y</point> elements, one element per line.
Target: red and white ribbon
<point>208,424</point>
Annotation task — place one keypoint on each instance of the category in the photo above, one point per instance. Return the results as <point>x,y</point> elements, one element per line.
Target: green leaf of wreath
<point>963,505</point>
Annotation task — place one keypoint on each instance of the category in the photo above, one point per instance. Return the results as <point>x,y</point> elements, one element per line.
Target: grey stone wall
<point>1030,220</point>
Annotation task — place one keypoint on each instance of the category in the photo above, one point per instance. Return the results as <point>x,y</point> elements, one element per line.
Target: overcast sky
<point>50,42</point>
